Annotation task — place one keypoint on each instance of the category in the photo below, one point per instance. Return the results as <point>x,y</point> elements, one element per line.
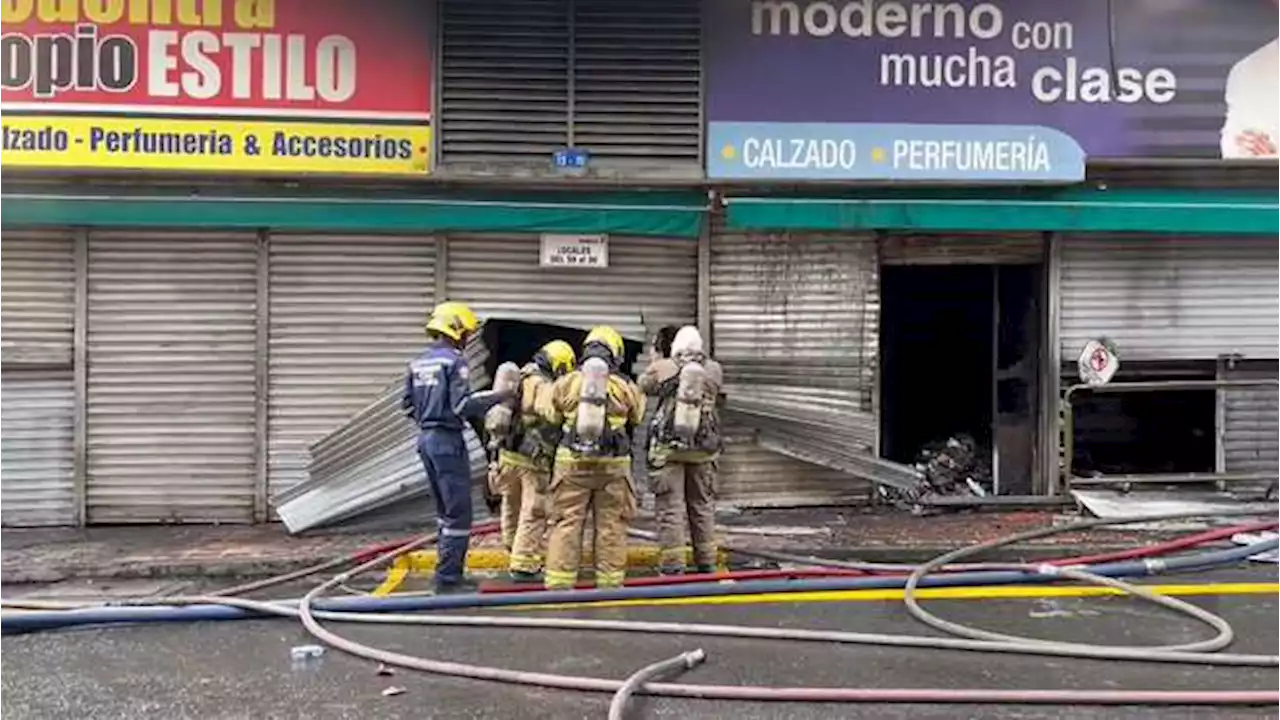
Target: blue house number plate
<point>571,159</point>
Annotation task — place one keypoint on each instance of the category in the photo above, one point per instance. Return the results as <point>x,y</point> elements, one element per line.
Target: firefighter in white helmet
<point>684,446</point>
<point>597,409</point>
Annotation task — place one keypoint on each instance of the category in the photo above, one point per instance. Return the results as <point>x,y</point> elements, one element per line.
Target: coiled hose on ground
<point>310,611</point>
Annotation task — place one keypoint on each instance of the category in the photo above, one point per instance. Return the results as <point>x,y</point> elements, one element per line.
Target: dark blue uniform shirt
<point>436,388</point>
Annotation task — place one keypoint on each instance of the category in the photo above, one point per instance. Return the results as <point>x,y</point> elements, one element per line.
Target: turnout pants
<point>444,457</point>
<point>606,491</point>
<point>685,506</point>
<point>524,515</point>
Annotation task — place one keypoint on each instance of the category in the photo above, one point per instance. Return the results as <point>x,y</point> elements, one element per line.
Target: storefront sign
<point>997,90</point>
<point>219,85</point>
<point>565,251</point>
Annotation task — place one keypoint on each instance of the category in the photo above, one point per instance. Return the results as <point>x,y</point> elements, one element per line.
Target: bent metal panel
<point>221,85</point>
<point>997,90</point>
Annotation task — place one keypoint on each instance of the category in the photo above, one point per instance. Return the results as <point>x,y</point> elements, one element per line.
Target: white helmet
<point>688,341</point>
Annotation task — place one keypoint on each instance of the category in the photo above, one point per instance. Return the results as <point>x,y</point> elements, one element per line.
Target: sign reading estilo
<point>984,91</point>
<point>237,85</point>
<point>575,251</point>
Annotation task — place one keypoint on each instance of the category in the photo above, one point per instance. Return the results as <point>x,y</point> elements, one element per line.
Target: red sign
<point>348,59</point>
<point>1099,359</point>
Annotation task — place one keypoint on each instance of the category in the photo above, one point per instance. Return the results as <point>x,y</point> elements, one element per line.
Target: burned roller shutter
<point>1161,297</point>
<point>795,322</point>
<point>521,80</point>
<point>1249,420</point>
<point>962,249</point>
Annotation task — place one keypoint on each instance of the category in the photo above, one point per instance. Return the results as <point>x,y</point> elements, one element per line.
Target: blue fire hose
<point>20,622</point>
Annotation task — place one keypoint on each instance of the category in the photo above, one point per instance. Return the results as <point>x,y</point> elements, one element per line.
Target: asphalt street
<point>244,670</point>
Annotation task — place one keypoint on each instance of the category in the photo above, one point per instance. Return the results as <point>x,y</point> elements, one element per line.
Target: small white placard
<point>573,251</point>
<point>1097,363</point>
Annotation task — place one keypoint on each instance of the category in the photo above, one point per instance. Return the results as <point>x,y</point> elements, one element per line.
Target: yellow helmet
<point>608,337</point>
<point>559,355</point>
<point>453,320</point>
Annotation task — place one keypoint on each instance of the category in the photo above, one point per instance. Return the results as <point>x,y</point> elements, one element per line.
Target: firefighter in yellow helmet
<point>437,397</point>
<point>523,447</point>
<point>597,409</point>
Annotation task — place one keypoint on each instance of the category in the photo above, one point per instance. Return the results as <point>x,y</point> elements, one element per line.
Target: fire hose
<point>310,609</point>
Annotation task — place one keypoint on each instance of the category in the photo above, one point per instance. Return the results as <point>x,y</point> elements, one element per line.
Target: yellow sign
<point>229,145</point>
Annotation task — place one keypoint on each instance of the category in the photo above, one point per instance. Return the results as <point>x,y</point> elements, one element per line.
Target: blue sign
<point>571,159</point>
<point>873,151</point>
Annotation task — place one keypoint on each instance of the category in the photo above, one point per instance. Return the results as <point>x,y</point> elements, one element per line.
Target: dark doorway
<point>937,350</point>
<point>960,356</point>
<point>516,341</point>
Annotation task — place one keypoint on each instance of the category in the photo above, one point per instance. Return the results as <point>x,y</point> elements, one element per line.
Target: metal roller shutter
<point>171,377</point>
<point>752,476</point>
<point>37,297</point>
<point>499,276</point>
<point>650,282</point>
<point>795,321</point>
<point>960,249</point>
<point>36,440</point>
<point>347,314</point>
<point>1250,421</point>
<point>1171,298</point>
<point>621,80</point>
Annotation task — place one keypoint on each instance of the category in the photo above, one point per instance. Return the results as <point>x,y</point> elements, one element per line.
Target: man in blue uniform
<point>437,397</point>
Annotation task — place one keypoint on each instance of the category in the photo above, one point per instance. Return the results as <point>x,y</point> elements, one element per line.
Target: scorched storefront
<point>1029,181</point>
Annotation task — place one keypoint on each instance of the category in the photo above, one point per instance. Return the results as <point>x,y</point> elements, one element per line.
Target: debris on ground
<point>957,466</point>
<point>305,652</point>
<point>1270,556</point>
<point>306,657</point>
<point>384,669</point>
<point>393,691</point>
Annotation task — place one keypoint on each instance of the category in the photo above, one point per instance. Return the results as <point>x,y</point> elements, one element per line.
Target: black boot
<point>706,569</point>
<point>464,586</point>
<point>525,577</point>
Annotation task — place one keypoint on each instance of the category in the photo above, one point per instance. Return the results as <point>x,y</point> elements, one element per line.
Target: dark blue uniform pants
<point>444,456</point>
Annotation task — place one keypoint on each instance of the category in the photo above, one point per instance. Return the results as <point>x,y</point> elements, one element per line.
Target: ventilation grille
<point>522,79</point>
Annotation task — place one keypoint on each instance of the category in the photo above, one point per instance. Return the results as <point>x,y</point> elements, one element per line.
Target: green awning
<point>659,214</point>
<point>1184,212</point>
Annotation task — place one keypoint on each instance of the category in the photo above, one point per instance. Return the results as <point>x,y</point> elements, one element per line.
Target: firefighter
<point>597,409</point>
<point>437,397</point>
<point>684,445</point>
<point>525,451</point>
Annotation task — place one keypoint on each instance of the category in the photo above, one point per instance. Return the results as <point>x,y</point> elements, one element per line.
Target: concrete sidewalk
<point>50,555</point>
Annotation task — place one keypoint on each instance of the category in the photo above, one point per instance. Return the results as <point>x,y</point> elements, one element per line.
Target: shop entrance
<point>959,353</point>
<point>516,341</point>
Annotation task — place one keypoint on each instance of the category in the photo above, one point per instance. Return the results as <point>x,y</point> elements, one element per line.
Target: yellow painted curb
<point>395,576</point>
<point>493,559</point>
<point>639,556</point>
<point>980,592</point>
